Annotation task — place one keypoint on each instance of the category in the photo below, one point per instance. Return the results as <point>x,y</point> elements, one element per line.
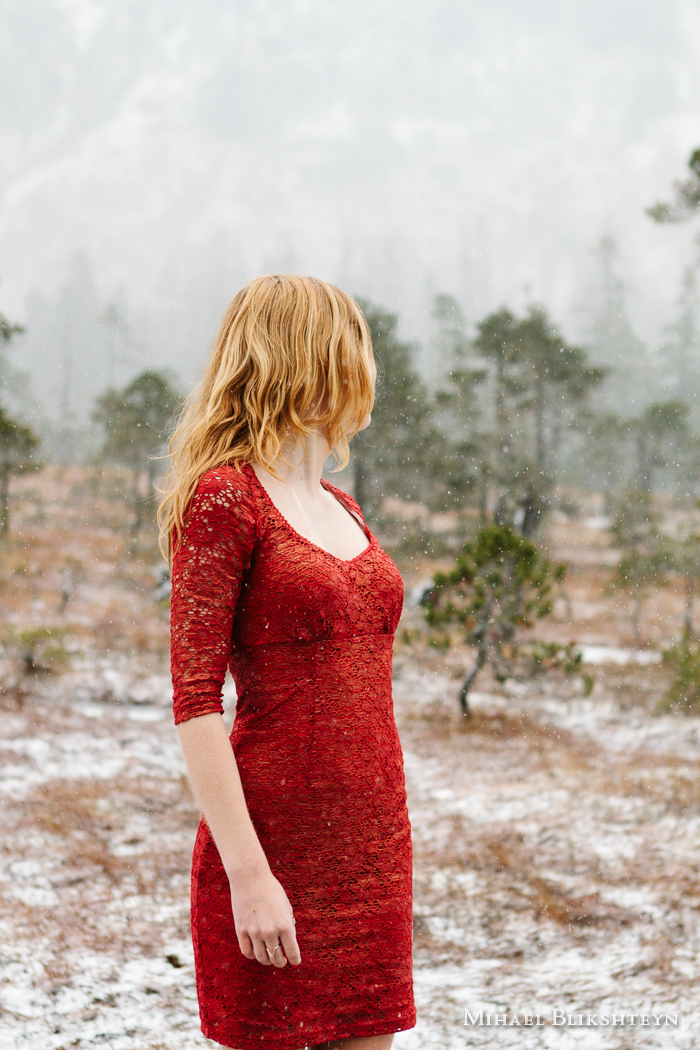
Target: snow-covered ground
<point>556,835</point>
<point>554,870</point>
<point>557,849</point>
<point>611,654</point>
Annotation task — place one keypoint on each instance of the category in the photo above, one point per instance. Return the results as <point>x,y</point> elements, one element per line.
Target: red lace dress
<point>308,638</point>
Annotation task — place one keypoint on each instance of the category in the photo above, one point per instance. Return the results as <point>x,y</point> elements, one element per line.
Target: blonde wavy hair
<point>292,354</point>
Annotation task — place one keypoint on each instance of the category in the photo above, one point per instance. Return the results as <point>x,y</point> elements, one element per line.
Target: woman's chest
<point>295,592</point>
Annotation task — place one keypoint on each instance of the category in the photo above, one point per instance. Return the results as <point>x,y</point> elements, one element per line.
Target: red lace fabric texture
<point>308,638</point>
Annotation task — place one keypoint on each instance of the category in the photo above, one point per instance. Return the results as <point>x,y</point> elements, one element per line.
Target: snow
<point>610,654</point>
<point>127,995</point>
<point>556,844</point>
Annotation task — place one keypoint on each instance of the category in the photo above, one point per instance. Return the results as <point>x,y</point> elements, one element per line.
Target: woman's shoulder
<point>221,516</point>
<point>225,490</point>
<point>226,479</point>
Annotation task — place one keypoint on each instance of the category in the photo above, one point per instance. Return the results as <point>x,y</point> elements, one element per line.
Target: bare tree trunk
<point>502,511</point>
<point>4,503</point>
<point>539,430</point>
<point>636,615</point>
<point>554,445</point>
<point>643,463</point>
<point>360,480</point>
<point>532,512</point>
<point>138,504</point>
<point>688,612</point>
<point>567,603</point>
<point>500,409</point>
<point>484,497</point>
<point>469,681</point>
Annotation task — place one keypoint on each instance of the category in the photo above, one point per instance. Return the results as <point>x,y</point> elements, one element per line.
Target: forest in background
<point>542,504</point>
<point>516,425</point>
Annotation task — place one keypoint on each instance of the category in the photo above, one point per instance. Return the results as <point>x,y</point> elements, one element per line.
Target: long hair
<point>291,354</point>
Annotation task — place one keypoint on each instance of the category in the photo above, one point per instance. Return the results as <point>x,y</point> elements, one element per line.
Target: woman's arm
<point>261,911</point>
<point>210,562</point>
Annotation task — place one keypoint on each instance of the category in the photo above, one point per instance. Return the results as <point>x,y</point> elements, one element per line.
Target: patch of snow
<point>146,714</point>
<point>610,654</point>
<point>598,522</point>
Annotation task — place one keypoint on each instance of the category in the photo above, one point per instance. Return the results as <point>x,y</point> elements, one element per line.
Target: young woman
<point>301,875</point>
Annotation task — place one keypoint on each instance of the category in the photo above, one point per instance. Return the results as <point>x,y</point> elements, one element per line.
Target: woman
<point>301,876</point>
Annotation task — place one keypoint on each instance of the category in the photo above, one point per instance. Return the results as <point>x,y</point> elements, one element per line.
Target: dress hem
<point>323,1037</point>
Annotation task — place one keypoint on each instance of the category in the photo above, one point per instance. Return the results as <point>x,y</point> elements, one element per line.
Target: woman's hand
<point>261,911</point>
<point>263,917</point>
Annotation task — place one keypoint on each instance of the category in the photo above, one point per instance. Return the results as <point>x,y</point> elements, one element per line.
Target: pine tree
<point>18,442</point>
<point>18,455</point>
<point>8,329</point>
<point>500,584</point>
<point>507,463</point>
<point>540,387</point>
<point>681,352</point>
<point>606,445</point>
<point>612,342</point>
<point>136,423</point>
<point>391,458</point>
<point>457,411</point>
<point>660,433</point>
<point>557,383</point>
<point>685,559</point>
<point>686,193</point>
<point>639,572</point>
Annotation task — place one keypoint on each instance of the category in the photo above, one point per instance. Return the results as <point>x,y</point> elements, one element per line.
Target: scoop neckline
<point>327,486</point>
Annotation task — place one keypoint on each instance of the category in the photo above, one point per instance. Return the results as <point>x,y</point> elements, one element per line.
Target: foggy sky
<point>177,148</point>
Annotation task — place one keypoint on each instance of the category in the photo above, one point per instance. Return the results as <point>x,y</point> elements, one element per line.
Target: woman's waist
<point>324,667</point>
<point>316,714</point>
<point>250,645</point>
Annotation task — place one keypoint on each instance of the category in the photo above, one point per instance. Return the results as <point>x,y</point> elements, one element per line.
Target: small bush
<point>546,656</point>
<point>540,657</point>
<point>683,693</point>
<point>440,641</point>
<point>500,584</point>
<point>38,650</point>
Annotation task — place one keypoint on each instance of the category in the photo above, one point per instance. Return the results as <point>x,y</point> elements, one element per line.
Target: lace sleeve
<point>209,565</point>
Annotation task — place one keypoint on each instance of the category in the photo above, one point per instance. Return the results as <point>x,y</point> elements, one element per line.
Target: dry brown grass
<point>73,812</point>
<point>66,527</point>
<point>513,877</point>
<point>544,897</point>
<point>114,851</point>
<point>89,818</point>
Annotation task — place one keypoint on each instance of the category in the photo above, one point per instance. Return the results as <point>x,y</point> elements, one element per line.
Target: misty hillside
<point>156,155</point>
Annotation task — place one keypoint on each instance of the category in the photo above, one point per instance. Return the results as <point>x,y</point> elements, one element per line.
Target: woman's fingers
<point>260,952</point>
<point>246,945</point>
<point>276,954</point>
<point>290,946</point>
<point>273,949</point>
<point>262,933</point>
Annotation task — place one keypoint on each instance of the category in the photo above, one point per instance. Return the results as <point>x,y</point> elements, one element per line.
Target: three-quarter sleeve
<point>209,565</point>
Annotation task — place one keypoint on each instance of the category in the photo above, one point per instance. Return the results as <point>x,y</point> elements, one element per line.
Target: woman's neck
<point>303,475</point>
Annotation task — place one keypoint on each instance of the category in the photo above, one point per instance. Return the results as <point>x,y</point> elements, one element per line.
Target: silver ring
<point>271,954</point>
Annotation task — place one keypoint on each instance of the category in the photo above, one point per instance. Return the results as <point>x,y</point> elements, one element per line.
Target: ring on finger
<point>271,954</point>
